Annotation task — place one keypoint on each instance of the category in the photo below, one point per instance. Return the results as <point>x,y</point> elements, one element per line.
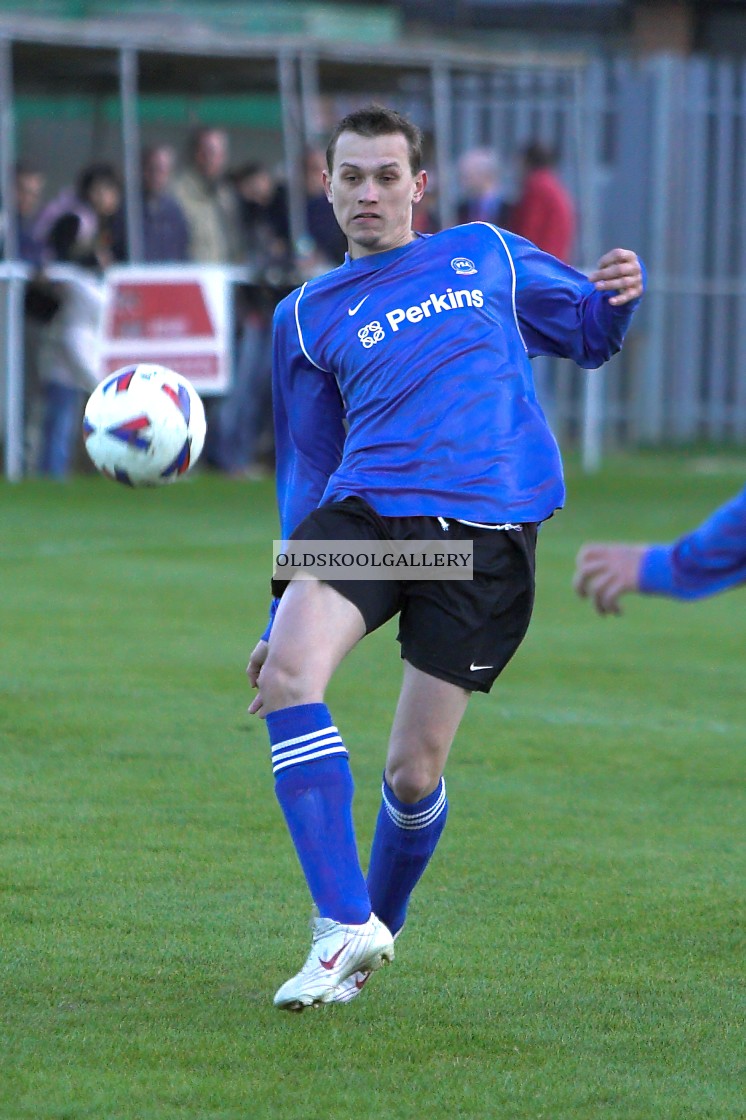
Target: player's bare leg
<point>427,718</point>
<point>314,629</point>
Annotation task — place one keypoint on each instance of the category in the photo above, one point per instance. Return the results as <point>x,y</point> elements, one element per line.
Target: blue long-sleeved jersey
<point>404,378</point>
<point>712,558</point>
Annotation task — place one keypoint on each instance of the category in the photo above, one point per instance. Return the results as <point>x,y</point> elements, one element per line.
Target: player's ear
<point>326,179</point>
<point>420,185</point>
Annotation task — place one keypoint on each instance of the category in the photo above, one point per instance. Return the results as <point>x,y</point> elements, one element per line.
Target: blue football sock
<point>404,840</point>
<point>313,784</point>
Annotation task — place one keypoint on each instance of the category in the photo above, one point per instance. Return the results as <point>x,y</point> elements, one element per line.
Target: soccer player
<point>404,409</point>
<point>710,559</point>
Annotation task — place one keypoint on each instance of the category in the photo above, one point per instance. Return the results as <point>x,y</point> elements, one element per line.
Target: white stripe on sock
<point>303,738</point>
<point>411,821</point>
<point>341,749</point>
<point>277,754</point>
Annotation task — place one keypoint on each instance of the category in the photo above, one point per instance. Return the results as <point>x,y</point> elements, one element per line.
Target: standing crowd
<point>207,212</point>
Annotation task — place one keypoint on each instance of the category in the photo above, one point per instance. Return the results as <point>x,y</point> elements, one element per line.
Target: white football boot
<point>353,985</point>
<point>337,952</point>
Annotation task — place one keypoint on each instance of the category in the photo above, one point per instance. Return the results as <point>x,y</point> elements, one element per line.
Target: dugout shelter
<point>276,95</point>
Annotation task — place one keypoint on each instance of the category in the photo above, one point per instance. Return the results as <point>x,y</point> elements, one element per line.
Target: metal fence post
<point>15,276</point>
<point>586,105</point>
<point>651,414</point>
<point>128,82</point>
<point>442,100</point>
<point>739,425</point>
<point>292,128</point>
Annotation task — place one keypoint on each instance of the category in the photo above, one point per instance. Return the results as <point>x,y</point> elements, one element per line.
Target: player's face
<point>372,190</point>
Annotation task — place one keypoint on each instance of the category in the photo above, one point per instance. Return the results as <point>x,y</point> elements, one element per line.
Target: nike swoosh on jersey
<point>475,668</point>
<point>354,310</point>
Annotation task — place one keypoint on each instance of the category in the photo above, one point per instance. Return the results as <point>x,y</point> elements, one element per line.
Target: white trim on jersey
<point>512,271</point>
<point>300,332</point>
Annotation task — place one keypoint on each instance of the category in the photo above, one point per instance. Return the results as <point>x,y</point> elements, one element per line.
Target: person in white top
<point>69,354</point>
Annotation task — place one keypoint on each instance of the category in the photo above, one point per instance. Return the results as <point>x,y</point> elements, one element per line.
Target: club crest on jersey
<point>462,266</point>
<point>371,333</point>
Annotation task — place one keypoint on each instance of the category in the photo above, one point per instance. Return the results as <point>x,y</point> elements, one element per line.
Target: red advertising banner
<point>178,316</point>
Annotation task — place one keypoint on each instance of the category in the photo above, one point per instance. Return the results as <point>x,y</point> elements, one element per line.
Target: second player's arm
<point>710,559</point>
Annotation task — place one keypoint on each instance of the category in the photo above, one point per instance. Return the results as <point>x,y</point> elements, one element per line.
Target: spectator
<point>242,430</point>
<point>29,188</point>
<point>210,205</point>
<point>264,221</point>
<point>165,233</point>
<point>329,243</point>
<point>69,349</point>
<point>544,212</point>
<point>545,215</point>
<point>242,426</point>
<point>88,215</point>
<point>39,301</point>
<point>481,187</point>
<point>208,201</point>
<point>710,559</point>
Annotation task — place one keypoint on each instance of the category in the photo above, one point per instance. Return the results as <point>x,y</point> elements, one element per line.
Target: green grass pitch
<point>576,949</point>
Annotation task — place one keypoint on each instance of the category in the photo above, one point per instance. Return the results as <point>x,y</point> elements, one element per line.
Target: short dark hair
<point>198,133</point>
<point>26,167</point>
<point>377,120</point>
<point>248,171</point>
<point>538,156</point>
<point>97,173</point>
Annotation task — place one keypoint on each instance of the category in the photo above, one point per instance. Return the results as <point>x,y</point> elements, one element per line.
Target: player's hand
<point>605,572</point>
<point>618,271</point>
<point>253,669</point>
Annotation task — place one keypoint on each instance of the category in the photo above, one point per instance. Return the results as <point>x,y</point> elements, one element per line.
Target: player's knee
<point>411,781</point>
<point>283,686</point>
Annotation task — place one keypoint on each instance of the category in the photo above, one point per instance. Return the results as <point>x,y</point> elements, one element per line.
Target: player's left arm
<point>619,272</point>
<point>563,312</point>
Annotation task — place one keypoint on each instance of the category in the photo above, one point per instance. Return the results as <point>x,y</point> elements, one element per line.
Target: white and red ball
<point>144,425</point>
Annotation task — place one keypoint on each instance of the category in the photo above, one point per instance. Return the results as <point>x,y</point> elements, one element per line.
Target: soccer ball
<point>144,425</point>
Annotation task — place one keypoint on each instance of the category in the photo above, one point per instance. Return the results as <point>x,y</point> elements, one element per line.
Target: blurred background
<point>186,137</point>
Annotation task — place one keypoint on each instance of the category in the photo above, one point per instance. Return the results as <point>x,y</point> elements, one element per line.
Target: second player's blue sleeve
<point>710,559</point>
<point>559,310</point>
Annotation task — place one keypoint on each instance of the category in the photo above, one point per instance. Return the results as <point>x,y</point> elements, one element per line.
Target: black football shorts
<point>461,631</point>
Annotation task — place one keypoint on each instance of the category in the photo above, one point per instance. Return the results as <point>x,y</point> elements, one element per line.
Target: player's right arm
<point>309,430</point>
<point>309,421</point>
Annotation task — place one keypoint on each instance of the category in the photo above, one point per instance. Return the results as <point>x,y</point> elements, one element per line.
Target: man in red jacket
<point>544,212</point>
